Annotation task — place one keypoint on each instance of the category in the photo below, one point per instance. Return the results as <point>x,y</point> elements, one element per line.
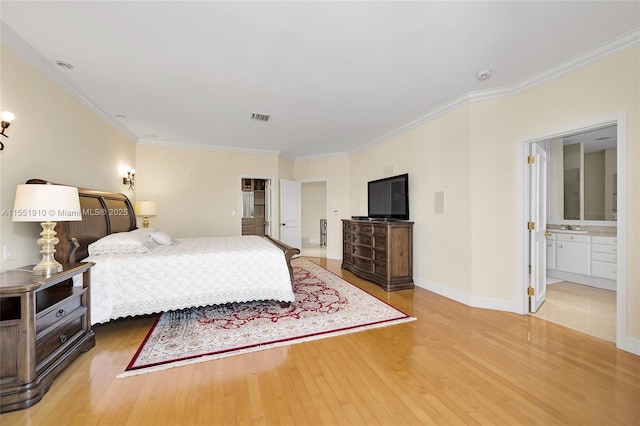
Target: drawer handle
<point>62,338</point>
<point>61,313</point>
<point>560,246</point>
<point>571,237</point>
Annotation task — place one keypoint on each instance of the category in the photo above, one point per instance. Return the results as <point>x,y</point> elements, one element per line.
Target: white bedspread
<point>192,272</point>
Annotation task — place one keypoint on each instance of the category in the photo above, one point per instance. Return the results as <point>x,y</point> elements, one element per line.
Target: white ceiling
<point>334,76</point>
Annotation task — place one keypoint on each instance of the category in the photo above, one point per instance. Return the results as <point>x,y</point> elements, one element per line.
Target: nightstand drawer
<point>58,312</point>
<point>57,339</point>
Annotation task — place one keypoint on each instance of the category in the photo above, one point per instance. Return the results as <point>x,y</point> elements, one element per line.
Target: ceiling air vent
<point>260,117</point>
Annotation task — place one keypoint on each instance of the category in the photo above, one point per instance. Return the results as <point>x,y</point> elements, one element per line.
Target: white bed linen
<point>192,272</point>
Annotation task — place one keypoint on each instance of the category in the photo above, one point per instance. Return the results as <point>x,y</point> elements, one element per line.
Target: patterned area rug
<point>325,306</point>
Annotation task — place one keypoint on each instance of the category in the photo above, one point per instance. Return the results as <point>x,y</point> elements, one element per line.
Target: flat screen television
<point>388,198</point>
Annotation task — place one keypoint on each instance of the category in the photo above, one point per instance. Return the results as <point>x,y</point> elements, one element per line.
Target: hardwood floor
<point>454,365</point>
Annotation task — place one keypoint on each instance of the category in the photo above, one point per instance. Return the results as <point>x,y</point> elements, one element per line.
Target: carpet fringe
<point>205,358</point>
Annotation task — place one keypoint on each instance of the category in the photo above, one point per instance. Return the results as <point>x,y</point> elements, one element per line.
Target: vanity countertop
<point>596,231</point>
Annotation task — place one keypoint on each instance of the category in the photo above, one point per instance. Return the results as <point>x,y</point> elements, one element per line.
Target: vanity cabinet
<point>551,251</point>
<point>585,259</point>
<point>572,253</point>
<point>604,257</point>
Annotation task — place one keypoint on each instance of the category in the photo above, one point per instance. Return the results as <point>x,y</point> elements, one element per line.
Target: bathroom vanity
<point>584,257</point>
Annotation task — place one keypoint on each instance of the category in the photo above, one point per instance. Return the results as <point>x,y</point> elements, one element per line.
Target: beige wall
<point>53,137</point>
<point>437,157</point>
<point>470,252</point>
<point>197,192</point>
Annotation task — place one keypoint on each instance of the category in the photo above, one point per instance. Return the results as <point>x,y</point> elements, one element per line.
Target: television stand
<point>380,251</point>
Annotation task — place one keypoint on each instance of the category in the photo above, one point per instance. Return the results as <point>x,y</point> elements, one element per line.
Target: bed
<point>142,271</point>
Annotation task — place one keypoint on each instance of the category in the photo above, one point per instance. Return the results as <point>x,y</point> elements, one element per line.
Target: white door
<point>537,237</point>
<point>291,213</point>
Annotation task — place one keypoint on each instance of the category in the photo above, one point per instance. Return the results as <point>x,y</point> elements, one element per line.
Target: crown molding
<point>627,41</point>
<point>613,47</point>
<point>25,51</point>
<point>213,148</point>
<point>322,156</point>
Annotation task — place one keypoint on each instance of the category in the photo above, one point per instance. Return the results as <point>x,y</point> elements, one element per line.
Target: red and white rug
<point>325,306</point>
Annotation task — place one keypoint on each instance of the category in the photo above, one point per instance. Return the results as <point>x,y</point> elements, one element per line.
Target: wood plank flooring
<point>454,365</point>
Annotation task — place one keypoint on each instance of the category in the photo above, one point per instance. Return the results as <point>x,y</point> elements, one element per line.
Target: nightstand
<point>45,324</point>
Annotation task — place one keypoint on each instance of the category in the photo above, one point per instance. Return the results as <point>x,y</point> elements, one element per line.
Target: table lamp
<point>47,204</point>
<point>146,209</point>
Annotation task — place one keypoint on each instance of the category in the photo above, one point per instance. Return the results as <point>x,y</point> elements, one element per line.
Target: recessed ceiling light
<point>65,65</point>
<point>121,116</point>
<point>484,74</point>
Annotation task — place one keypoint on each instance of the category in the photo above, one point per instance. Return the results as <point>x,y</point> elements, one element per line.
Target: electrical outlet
<point>7,252</point>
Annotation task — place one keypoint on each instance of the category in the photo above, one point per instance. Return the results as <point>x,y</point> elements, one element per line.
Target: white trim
<point>632,345</point>
<point>474,302</point>
<point>620,119</point>
<point>615,46</point>
<point>24,50</point>
<point>212,148</point>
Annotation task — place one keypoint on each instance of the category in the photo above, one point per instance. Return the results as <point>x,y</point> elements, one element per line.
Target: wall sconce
<point>7,117</point>
<point>129,179</point>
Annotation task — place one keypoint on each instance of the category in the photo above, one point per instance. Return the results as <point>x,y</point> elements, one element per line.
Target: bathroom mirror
<point>583,176</point>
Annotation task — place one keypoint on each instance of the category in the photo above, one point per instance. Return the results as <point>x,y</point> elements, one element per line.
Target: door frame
<point>326,186</point>
<point>523,188</point>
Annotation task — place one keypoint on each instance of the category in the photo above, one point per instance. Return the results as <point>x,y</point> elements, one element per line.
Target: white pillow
<point>122,243</point>
<point>162,238</point>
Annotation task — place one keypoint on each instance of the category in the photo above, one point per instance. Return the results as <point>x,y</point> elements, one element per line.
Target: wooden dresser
<point>44,325</point>
<point>379,251</point>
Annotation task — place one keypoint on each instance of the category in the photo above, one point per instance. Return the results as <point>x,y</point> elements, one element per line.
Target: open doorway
<point>314,219</point>
<point>585,254</point>
<point>255,200</point>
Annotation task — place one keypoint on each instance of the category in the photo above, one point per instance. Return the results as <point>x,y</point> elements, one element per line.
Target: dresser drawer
<point>365,239</point>
<point>380,242</point>
<point>361,228</point>
<point>380,270</point>
<point>380,230</point>
<point>362,264</point>
<point>363,251</point>
<point>58,312</point>
<point>58,338</point>
<point>348,237</point>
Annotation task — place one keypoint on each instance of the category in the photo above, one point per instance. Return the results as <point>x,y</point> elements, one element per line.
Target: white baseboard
<point>631,345</point>
<point>475,302</point>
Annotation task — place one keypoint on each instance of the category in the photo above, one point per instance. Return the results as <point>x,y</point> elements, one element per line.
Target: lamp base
<point>48,265</point>
<point>145,222</point>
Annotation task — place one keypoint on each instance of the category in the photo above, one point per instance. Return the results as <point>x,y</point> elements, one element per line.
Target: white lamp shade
<point>46,203</point>
<point>145,208</point>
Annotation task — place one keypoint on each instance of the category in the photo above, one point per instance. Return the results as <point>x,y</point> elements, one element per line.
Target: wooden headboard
<point>103,213</point>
